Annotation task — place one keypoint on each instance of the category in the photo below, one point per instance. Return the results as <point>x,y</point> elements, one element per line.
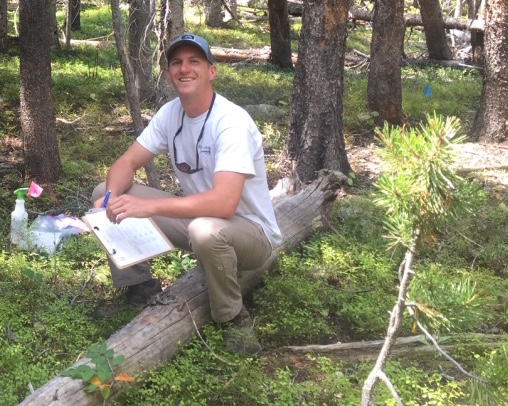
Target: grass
<point>255,84</point>
<point>338,286</point>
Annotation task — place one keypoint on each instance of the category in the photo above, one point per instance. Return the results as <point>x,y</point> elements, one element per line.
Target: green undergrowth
<point>53,308</point>
<point>339,287</point>
<point>337,279</point>
<point>199,376</point>
<point>47,312</point>
<point>453,92</point>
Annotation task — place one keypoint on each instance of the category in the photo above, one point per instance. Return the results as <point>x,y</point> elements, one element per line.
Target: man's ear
<point>213,72</point>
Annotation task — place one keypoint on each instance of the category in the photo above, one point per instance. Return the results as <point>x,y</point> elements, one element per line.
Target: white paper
<point>132,241</point>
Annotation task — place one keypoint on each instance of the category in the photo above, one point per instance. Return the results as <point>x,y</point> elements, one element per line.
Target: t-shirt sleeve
<point>155,136</point>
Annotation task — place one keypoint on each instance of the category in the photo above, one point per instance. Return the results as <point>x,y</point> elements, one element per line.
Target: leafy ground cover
<point>338,286</point>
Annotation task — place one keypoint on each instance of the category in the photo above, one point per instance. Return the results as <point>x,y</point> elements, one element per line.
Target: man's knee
<point>204,232</point>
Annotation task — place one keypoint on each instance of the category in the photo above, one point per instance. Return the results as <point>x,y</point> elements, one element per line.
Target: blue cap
<point>192,40</point>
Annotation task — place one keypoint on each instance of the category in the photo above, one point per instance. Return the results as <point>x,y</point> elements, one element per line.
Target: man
<point>225,215</point>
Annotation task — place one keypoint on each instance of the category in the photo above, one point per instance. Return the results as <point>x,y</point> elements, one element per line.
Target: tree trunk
<point>491,122</point>
<point>75,15</point>
<point>280,39</point>
<point>433,25</point>
<point>471,12</point>
<point>68,24</point>
<point>232,6</point>
<point>170,25</point>
<point>476,9</point>
<point>130,88</point>
<point>456,14</point>
<point>384,86</point>
<point>139,48</point>
<point>158,332</point>
<point>315,139</point>
<point>213,13</point>
<point>42,158</point>
<point>55,32</point>
<point>231,55</point>
<point>4,39</point>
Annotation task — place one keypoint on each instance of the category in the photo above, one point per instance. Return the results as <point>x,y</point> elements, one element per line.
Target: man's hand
<point>98,203</point>
<point>121,174</point>
<point>121,207</point>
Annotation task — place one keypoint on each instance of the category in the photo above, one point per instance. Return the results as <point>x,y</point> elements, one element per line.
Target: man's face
<point>189,71</point>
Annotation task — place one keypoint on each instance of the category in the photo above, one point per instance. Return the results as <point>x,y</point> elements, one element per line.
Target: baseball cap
<point>192,40</point>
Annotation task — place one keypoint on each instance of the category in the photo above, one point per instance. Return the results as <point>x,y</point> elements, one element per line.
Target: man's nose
<point>185,65</point>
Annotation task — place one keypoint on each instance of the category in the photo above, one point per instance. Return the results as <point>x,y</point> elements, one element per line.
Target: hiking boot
<point>239,336</point>
<point>140,293</point>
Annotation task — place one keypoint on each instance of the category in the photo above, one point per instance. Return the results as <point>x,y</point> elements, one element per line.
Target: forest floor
<point>486,162</point>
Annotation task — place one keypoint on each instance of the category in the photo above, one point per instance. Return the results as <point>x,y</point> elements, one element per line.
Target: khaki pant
<point>222,247</point>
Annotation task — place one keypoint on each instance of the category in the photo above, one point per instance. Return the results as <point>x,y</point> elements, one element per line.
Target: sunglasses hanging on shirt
<point>184,166</point>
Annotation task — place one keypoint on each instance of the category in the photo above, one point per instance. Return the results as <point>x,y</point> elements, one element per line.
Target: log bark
<point>411,341</point>
<point>156,334</point>
<point>413,346</point>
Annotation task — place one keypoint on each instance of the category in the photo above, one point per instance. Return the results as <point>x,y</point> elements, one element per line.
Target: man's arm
<point>221,201</point>
<point>121,174</point>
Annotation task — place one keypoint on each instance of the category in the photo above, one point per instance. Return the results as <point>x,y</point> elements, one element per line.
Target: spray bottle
<point>19,217</point>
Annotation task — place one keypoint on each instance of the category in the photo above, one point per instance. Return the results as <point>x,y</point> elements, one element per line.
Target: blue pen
<point>105,201</point>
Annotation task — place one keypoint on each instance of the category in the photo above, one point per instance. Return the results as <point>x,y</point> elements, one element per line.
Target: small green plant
<point>174,264</point>
<point>446,303</point>
<point>351,178</point>
<point>305,306</point>
<point>102,375</point>
<point>368,117</point>
<point>273,140</point>
<point>419,191</point>
<point>492,366</point>
<point>36,277</point>
<point>338,279</point>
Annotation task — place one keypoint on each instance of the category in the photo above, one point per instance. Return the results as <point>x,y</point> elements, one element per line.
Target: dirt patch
<point>486,162</point>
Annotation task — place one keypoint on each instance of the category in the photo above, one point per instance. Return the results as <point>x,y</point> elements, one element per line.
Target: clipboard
<point>132,241</point>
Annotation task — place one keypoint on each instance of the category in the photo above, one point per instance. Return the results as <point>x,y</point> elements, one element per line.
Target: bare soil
<point>486,162</point>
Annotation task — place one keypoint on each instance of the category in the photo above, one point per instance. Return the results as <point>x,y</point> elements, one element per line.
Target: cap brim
<point>184,42</point>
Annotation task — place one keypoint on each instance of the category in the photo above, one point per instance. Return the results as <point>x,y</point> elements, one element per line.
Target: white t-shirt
<point>231,142</point>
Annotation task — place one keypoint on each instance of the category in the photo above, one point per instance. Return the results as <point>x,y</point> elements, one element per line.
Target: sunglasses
<point>184,166</point>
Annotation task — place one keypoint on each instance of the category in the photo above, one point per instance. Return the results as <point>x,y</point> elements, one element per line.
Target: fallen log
<point>450,63</point>
<point>295,8</point>
<point>231,55</point>
<point>413,346</point>
<point>415,20</point>
<point>155,335</point>
<point>411,341</point>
